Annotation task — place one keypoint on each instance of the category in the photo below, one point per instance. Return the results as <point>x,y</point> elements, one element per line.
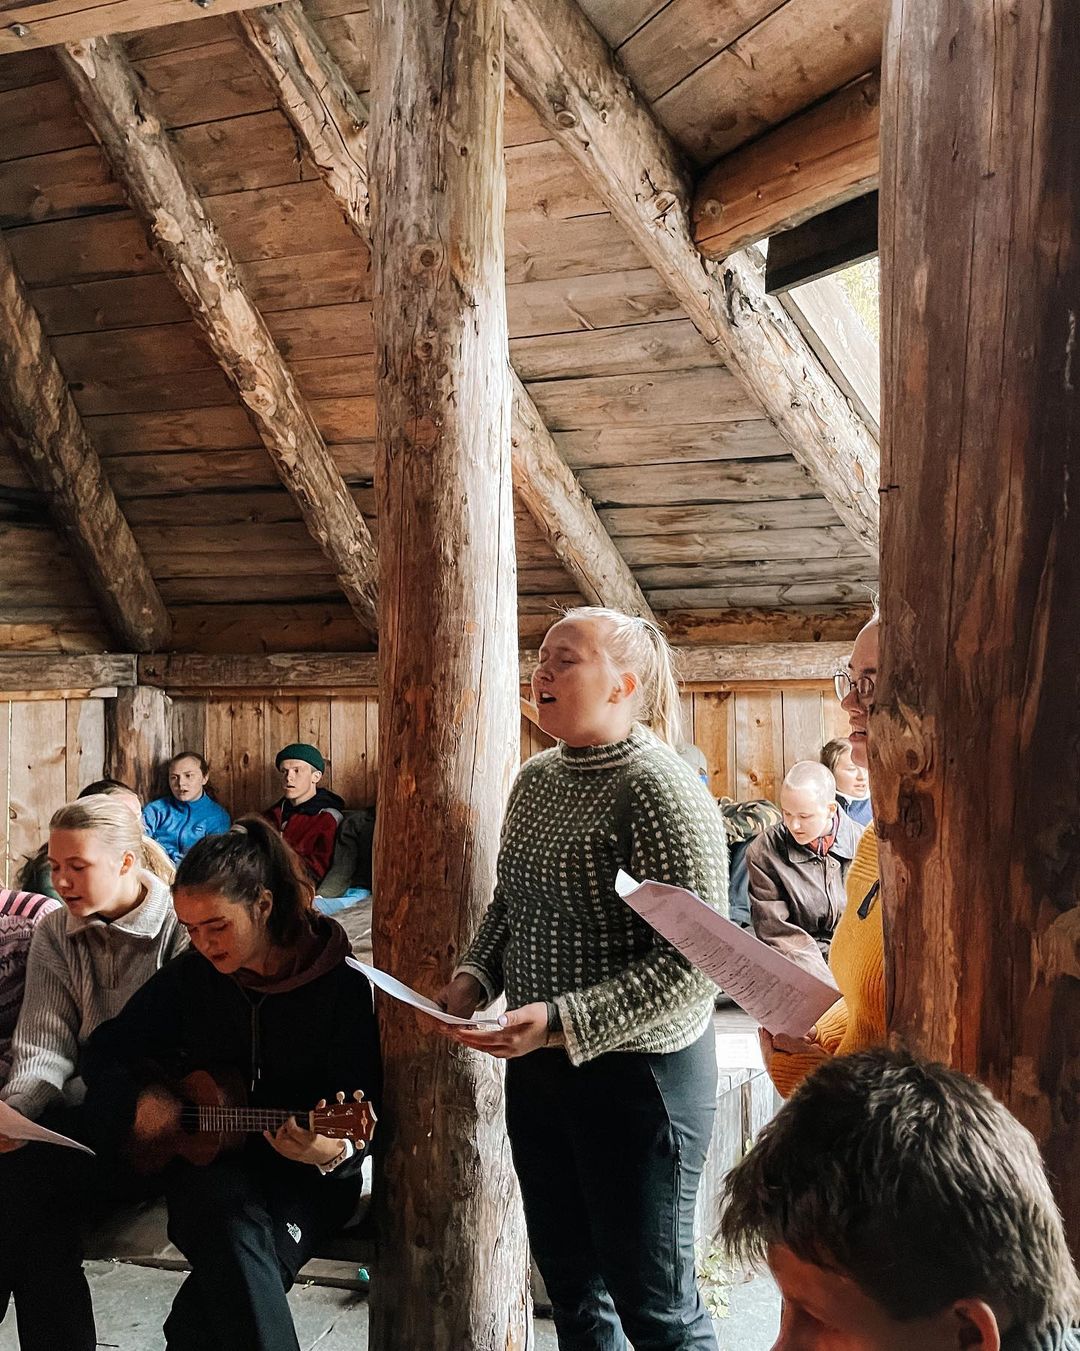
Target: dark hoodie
<point>292,1041</point>
<point>311,828</point>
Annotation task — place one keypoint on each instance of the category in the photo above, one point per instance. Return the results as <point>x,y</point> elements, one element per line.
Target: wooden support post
<point>977,733</point>
<point>120,113</point>
<point>564,69</point>
<point>138,740</point>
<point>331,122</point>
<point>454,1272</point>
<point>43,424</point>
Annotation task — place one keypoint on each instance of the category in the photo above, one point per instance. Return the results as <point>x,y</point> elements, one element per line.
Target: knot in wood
<point>565,118</point>
<point>422,433</point>
<point>425,258</point>
<point>424,347</point>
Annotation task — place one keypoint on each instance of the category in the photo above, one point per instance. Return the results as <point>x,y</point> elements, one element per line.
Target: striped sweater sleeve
<point>45,1047</point>
<point>676,836</point>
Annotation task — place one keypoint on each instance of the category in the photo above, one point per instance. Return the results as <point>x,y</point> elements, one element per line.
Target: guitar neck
<point>239,1120</point>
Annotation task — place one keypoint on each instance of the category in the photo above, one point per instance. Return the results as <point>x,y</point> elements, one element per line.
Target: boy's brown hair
<point>914,1181</point>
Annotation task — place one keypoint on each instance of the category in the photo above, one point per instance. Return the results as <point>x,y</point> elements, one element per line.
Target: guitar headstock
<point>353,1120</point>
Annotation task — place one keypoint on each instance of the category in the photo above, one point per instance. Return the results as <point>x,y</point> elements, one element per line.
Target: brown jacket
<point>796,896</point>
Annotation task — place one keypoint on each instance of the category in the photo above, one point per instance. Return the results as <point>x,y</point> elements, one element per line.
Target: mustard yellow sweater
<point>857,961</point>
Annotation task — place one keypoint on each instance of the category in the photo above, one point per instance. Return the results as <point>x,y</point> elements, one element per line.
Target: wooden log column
<point>453,1270</point>
<point>138,741</point>
<point>977,773</point>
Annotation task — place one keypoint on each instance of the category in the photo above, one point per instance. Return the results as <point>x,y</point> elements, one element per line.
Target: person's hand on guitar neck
<point>295,1142</point>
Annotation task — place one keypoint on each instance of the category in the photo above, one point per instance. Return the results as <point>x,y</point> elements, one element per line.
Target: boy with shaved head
<point>797,868</point>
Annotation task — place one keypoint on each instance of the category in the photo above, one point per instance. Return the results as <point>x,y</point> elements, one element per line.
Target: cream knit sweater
<point>80,973</point>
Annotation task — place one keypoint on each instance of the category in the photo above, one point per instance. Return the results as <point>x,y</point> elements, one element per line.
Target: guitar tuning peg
<point>358,1096</point>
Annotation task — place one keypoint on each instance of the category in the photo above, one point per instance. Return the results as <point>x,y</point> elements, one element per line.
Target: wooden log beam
<point>47,23</point>
<point>977,727</point>
<point>121,115</point>
<point>49,671</point>
<point>43,425</point>
<point>806,165</point>
<point>331,123</point>
<point>565,70</point>
<point>447,1200</point>
<point>711,663</point>
<point>328,116</point>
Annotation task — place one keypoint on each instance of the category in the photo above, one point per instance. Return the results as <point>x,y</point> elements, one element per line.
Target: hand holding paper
<point>15,1126</point>
<point>783,997</point>
<point>399,990</point>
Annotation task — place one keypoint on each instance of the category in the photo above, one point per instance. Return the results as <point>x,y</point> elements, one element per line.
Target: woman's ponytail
<point>155,860</point>
<point>248,860</point>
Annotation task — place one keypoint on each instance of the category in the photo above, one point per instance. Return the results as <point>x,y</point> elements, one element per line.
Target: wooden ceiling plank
<point>196,258</point>
<point>47,23</point>
<point>41,420</point>
<point>309,84</point>
<point>565,69</point>
<point>807,165</point>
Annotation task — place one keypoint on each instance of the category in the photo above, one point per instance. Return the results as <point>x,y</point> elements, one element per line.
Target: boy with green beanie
<point>307,816</point>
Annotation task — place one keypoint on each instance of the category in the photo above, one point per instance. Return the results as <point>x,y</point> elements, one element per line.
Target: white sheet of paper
<point>401,991</point>
<point>781,995</point>
<point>18,1127</point>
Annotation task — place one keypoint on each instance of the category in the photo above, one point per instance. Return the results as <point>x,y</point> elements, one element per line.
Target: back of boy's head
<point>914,1181</point>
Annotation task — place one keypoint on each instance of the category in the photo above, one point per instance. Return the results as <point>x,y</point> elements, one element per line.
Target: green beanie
<point>300,750</point>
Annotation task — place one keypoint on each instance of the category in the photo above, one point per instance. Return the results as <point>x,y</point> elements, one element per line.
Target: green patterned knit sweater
<point>557,931</point>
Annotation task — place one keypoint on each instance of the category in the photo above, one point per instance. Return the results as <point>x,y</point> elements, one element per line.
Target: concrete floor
<point>131,1303</point>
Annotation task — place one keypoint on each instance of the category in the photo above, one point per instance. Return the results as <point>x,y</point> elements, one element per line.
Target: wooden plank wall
<point>51,748</point>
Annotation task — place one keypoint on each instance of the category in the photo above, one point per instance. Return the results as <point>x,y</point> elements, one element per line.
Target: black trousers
<point>609,1156</point>
<point>247,1224</point>
<point>48,1196</point>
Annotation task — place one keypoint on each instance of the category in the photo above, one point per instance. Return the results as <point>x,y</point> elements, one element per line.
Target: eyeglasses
<point>863,687</point>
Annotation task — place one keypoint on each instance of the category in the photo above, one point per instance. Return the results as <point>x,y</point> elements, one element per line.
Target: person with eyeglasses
<point>857,955</point>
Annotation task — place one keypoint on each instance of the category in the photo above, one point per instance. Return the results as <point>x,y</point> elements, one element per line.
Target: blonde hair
<point>637,645</point>
<point>118,827</point>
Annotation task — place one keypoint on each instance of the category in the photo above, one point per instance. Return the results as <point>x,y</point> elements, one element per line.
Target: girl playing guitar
<point>266,997</point>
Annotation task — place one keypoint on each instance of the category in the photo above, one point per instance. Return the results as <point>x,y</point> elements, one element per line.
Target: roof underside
<point>694,485</point>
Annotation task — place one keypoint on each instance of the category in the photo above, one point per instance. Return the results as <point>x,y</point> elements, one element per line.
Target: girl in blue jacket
<point>176,822</point>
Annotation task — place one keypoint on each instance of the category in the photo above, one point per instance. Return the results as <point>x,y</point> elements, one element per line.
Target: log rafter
<point>121,116</point>
<point>568,74</point>
<point>805,166</point>
<point>331,122</point>
<point>754,663</point>
<point>45,427</point>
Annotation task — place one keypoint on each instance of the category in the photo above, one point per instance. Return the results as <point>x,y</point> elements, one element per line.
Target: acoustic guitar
<point>207,1116</point>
